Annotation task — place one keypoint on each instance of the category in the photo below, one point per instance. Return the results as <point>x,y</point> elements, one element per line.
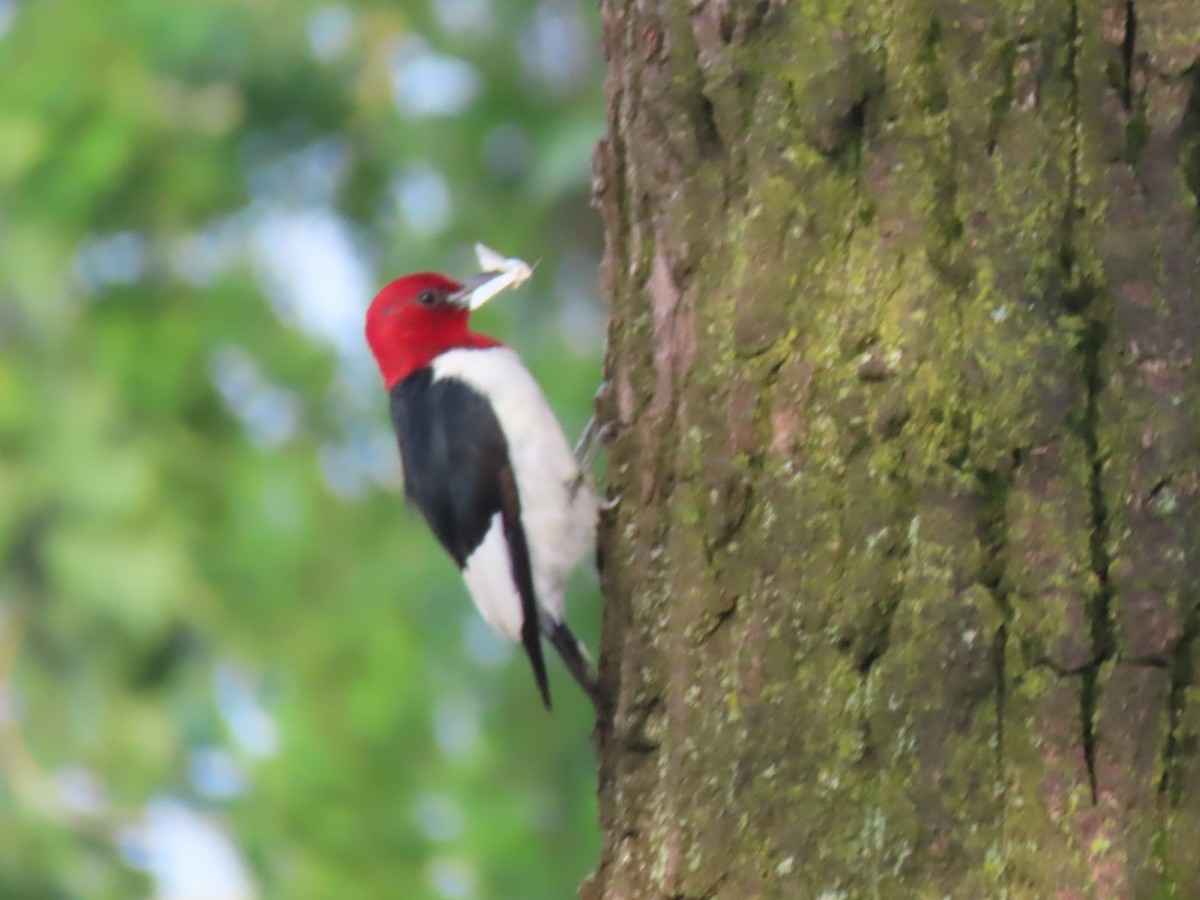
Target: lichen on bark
<point>903,588</point>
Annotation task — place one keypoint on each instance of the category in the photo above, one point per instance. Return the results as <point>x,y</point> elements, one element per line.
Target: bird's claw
<point>593,438</point>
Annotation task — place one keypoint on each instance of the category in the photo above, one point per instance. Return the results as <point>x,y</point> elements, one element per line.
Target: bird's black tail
<point>575,656</point>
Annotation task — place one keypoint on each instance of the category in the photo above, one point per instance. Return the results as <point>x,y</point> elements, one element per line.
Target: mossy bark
<point>903,588</point>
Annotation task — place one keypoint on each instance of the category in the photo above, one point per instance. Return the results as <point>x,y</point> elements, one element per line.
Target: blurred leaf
<point>202,545</point>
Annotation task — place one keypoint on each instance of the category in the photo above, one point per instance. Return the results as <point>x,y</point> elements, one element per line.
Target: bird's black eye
<point>429,297</point>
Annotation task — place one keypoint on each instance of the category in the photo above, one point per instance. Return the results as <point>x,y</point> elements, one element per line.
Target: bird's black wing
<point>458,473</point>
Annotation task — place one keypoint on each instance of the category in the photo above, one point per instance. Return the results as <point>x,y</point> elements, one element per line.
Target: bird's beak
<point>476,290</point>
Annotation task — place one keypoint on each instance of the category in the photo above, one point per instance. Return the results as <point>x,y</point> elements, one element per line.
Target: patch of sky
<point>310,266</point>
<point>426,83</point>
<point>438,816</point>
<point>113,259</point>
<point>556,51</point>
<point>251,726</point>
<point>282,169</point>
<point>483,645</point>
<point>452,877</point>
<point>465,18</point>
<point>188,855</point>
<point>8,15</point>
<point>456,725</point>
<point>330,31</point>
<point>343,471</point>
<point>200,257</point>
<point>507,150</point>
<point>422,196</point>
<point>270,414</point>
<point>81,791</point>
<point>580,316</point>
<point>216,774</point>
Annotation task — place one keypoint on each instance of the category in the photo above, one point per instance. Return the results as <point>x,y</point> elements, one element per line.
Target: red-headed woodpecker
<point>484,458</point>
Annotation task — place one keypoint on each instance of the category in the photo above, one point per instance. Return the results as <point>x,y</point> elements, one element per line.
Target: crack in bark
<point>992,490</point>
<point>945,253</point>
<point>634,738</point>
<point>885,613</point>
<point>1067,248</point>
<point>1190,133</point>
<point>1133,96</point>
<point>1002,99</point>
<point>1000,671</point>
<point>857,136</point>
<point>1088,691</point>
<point>708,134</point>
<point>1100,607</point>
<point>1080,297</point>
<point>710,893</point>
<point>718,620</point>
<point>1127,49</point>
<point>1182,673</point>
<point>883,637</point>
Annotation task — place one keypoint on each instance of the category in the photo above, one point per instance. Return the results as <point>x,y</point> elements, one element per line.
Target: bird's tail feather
<point>575,657</point>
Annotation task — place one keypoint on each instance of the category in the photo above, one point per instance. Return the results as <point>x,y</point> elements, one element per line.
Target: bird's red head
<point>414,319</point>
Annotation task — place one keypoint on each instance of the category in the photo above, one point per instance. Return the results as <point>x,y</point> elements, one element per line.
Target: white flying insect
<point>499,274</point>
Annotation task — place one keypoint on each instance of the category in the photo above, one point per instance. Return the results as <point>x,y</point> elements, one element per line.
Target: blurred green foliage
<point>215,612</point>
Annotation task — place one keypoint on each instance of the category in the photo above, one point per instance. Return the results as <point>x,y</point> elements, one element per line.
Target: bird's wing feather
<point>522,576</point>
<point>459,475</point>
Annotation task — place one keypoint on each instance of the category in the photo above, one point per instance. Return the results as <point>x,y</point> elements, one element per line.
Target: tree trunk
<point>903,588</point>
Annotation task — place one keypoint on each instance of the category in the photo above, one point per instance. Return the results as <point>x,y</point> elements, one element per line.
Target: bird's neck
<point>418,354</point>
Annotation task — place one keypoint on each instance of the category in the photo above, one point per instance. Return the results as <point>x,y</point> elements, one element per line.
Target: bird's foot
<point>593,438</point>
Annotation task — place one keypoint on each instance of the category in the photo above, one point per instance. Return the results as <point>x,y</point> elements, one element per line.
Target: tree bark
<point>903,588</point>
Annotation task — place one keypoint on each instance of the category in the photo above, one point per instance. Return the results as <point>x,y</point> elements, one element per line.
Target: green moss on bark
<point>903,586</point>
